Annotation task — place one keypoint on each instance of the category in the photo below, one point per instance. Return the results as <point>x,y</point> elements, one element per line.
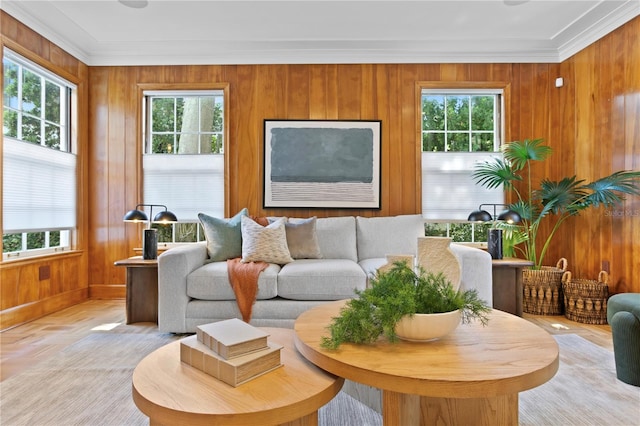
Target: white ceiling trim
<point>571,42</point>
<point>16,10</point>
<point>597,22</point>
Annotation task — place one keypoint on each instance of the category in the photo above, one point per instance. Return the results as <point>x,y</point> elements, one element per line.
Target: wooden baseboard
<point>108,291</point>
<point>30,311</point>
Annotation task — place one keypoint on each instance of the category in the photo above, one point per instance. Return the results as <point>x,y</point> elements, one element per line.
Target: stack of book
<point>231,350</point>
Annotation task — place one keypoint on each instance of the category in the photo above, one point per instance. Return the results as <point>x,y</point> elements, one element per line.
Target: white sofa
<point>193,291</point>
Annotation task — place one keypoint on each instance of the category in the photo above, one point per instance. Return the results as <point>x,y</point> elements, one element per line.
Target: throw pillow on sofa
<point>264,243</point>
<point>302,238</point>
<point>224,236</point>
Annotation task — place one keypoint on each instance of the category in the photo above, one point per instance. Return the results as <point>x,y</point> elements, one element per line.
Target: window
<point>459,128</point>
<point>183,161</point>
<point>39,165</point>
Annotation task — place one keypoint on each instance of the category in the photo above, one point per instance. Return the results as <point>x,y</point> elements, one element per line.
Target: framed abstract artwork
<point>322,164</point>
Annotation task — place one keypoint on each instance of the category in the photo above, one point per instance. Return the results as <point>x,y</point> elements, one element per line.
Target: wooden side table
<point>142,289</point>
<point>472,376</point>
<point>507,284</point>
<point>173,393</point>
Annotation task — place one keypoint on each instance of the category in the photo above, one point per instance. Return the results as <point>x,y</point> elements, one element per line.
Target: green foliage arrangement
<point>557,200</point>
<point>393,294</point>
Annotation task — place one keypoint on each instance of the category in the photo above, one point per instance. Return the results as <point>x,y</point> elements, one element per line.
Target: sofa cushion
<point>379,236</point>
<point>211,282</point>
<point>275,312</point>
<point>264,243</point>
<point>302,238</point>
<point>371,265</point>
<point>320,279</point>
<point>337,237</point>
<point>224,237</point>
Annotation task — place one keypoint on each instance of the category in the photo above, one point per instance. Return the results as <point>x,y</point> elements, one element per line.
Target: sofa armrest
<point>173,267</point>
<point>477,270</point>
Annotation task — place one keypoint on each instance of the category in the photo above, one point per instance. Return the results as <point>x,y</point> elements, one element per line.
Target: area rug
<point>584,391</point>
<point>89,383</point>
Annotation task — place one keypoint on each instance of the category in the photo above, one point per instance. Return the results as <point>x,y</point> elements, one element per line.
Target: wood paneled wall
<point>256,92</point>
<point>593,125</point>
<point>591,122</point>
<point>31,288</point>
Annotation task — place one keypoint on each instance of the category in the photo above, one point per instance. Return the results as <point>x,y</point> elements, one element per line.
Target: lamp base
<point>150,244</point>
<point>494,243</point>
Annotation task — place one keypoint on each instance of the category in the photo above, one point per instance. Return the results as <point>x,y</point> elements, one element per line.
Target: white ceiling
<point>168,32</point>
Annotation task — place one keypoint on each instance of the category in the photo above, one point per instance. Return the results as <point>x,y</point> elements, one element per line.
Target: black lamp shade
<point>165,217</point>
<point>138,215</point>
<point>479,216</point>
<point>135,216</point>
<point>509,216</point>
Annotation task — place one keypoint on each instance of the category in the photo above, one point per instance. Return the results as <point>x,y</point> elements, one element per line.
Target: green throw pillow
<point>224,236</point>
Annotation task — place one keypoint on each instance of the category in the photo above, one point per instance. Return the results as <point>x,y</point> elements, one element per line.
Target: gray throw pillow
<point>302,238</point>
<point>224,236</point>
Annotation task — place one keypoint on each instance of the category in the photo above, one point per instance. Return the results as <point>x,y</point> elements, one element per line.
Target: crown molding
<point>571,42</point>
<point>574,38</point>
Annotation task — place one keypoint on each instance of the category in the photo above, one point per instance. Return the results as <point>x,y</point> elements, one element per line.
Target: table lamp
<point>150,237</point>
<point>494,235</point>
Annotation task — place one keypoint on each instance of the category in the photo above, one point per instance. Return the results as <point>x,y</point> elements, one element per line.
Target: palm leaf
<point>513,235</point>
<point>492,174</point>
<point>518,154</point>
<point>525,210</point>
<point>605,190</point>
<point>561,196</point>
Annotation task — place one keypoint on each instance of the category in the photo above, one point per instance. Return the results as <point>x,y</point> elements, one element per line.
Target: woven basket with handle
<point>543,289</point>
<point>585,300</point>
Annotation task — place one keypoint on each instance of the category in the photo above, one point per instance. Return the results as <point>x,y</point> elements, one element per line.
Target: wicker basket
<point>543,289</point>
<point>586,300</point>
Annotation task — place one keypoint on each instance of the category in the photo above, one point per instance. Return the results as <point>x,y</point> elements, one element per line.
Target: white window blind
<point>186,184</point>
<point>448,190</point>
<point>39,188</point>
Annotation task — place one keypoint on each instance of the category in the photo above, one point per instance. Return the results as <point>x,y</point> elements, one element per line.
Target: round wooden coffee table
<point>470,377</point>
<point>170,392</point>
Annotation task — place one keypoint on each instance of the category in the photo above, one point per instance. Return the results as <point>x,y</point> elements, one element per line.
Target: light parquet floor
<point>27,344</point>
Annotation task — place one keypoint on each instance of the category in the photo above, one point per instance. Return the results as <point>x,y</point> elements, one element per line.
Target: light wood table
<point>170,392</point>
<point>142,289</point>
<point>507,284</point>
<point>470,377</point>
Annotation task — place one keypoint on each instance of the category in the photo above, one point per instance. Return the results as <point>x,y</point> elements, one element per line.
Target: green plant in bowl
<point>396,293</point>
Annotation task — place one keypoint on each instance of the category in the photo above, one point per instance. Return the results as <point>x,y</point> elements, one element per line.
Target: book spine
<point>198,358</point>
<point>208,340</point>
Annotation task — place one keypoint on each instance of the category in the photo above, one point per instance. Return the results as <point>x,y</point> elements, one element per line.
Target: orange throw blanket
<point>244,279</point>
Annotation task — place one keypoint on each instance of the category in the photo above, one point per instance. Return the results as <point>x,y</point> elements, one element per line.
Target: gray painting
<point>321,155</point>
<point>321,163</point>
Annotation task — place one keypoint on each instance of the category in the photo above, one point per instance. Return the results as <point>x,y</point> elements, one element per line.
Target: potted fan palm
<point>557,200</point>
<point>404,303</point>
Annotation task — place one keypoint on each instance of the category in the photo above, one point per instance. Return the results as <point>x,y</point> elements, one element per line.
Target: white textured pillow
<point>264,243</point>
